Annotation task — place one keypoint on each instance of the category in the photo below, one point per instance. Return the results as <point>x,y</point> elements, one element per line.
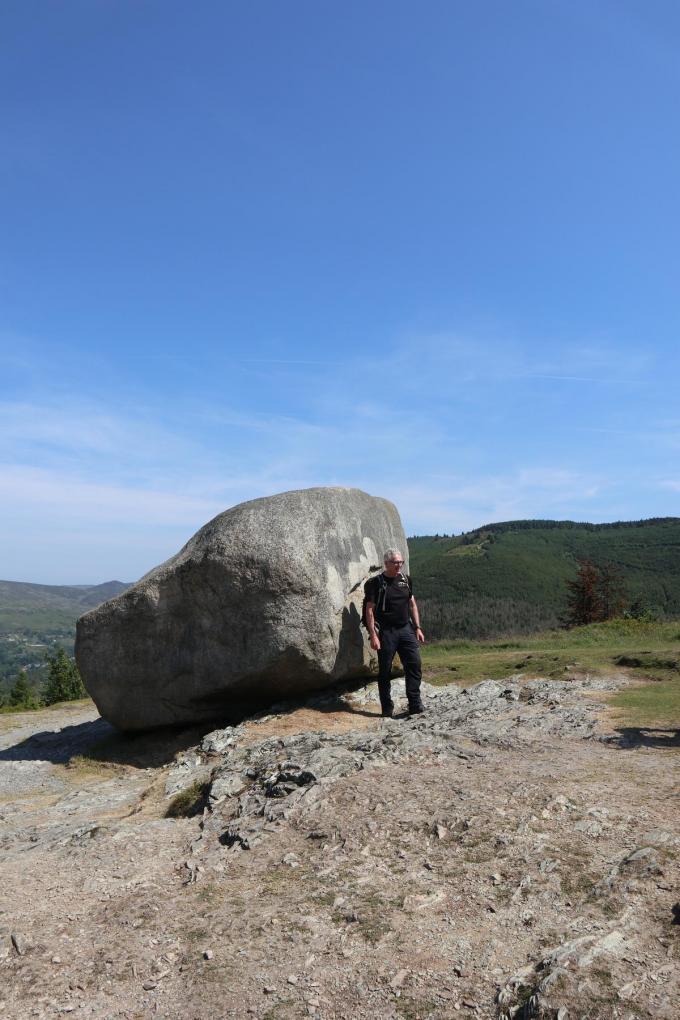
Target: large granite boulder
<point>264,602</point>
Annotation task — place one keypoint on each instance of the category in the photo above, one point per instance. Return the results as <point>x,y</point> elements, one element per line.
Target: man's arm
<point>415,616</point>
<point>370,624</point>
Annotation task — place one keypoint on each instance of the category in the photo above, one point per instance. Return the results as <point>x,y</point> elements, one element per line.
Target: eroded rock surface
<point>503,856</point>
<point>263,602</point>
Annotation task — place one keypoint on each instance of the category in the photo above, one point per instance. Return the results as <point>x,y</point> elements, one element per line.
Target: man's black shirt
<point>397,598</point>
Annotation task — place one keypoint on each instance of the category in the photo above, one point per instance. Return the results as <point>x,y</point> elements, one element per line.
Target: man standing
<point>394,626</point>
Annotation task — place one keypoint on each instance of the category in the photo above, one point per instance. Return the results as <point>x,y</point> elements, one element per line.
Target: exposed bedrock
<point>263,602</point>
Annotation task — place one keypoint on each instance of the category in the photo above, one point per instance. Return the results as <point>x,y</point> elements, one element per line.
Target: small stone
<point>269,989</point>
<point>56,959</point>
<point>208,954</point>
<point>589,827</point>
<point>441,831</point>
<point>399,978</point>
<point>558,805</point>
<point>496,878</point>
<point>149,986</point>
<point>230,785</point>
<point>562,1013</point>
<point>19,943</point>
<point>644,861</point>
<point>292,979</point>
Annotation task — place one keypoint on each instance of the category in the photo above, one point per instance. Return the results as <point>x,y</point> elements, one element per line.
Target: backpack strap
<point>374,591</point>
<point>378,591</point>
<point>382,592</point>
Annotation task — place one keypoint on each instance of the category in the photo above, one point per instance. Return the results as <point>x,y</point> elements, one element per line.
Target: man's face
<point>393,565</point>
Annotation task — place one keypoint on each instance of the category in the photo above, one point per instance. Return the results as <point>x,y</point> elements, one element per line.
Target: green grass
<point>654,647</point>
<point>655,704</point>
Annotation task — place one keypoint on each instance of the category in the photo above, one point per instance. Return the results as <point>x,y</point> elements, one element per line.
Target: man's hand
<point>375,642</point>
<point>420,635</point>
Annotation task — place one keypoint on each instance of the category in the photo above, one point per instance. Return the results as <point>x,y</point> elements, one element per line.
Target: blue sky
<point>429,250</point>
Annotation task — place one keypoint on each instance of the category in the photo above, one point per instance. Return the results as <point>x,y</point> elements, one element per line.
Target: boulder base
<point>263,602</point>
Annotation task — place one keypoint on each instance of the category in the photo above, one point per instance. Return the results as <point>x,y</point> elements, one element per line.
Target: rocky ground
<point>510,853</point>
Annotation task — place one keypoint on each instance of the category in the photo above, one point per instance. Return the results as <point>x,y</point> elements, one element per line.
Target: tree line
<point>540,525</point>
<point>62,683</point>
<point>597,593</point>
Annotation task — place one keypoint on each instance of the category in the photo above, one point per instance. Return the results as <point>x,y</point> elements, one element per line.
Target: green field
<point>650,652</point>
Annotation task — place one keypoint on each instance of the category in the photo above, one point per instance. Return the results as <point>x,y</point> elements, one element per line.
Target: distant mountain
<point>35,618</point>
<point>23,604</point>
<point>511,577</point>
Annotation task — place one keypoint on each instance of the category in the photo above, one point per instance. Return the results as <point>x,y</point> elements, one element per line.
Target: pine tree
<point>583,601</point>
<point>597,594</point>
<point>611,591</point>
<point>63,679</point>
<point>22,694</point>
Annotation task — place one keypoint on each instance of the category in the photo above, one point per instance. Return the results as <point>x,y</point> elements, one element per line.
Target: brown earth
<point>539,878</point>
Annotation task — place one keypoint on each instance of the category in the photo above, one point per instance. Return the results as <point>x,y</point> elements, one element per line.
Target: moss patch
<point>188,802</point>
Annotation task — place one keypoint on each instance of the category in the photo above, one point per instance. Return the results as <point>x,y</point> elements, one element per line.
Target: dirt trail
<point>506,855</point>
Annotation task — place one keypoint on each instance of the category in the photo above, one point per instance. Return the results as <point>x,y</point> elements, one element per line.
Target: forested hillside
<point>511,577</point>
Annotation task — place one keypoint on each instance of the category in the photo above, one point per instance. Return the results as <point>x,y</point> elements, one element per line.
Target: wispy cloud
<point>455,504</point>
<point>452,431</point>
<point>51,495</point>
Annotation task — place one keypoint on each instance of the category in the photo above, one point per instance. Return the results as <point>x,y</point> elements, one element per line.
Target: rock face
<point>263,602</point>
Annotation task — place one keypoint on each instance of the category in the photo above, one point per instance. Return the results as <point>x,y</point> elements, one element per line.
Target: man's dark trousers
<point>404,641</point>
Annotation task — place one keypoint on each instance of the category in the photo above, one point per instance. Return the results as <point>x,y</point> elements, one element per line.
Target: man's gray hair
<point>390,554</point>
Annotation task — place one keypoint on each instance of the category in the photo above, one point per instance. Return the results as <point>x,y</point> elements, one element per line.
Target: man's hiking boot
<point>388,712</point>
<point>416,708</point>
